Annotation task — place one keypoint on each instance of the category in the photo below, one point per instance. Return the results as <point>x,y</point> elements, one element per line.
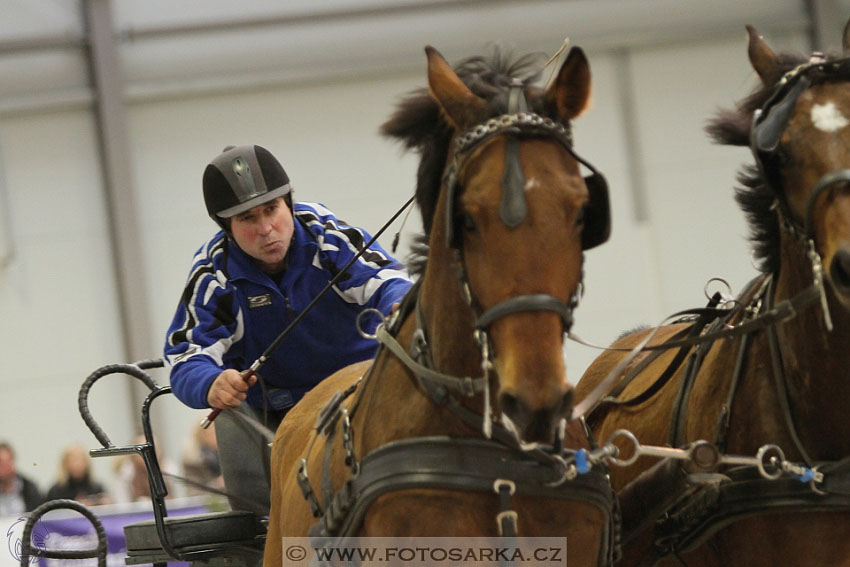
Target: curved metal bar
<point>157,484</point>
<point>147,450</point>
<point>136,370</point>
<point>26,541</point>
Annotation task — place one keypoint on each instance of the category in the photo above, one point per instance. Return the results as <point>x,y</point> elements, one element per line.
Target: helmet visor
<point>255,201</point>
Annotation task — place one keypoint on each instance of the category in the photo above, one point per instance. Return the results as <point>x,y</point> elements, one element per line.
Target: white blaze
<point>827,118</point>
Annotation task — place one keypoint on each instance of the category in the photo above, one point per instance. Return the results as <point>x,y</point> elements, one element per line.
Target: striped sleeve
<point>376,279</point>
<point>205,326</point>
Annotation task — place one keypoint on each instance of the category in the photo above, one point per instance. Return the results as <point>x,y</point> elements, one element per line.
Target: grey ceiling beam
<point>827,23</point>
<point>35,43</point>
<point>124,230</point>
<point>310,17</point>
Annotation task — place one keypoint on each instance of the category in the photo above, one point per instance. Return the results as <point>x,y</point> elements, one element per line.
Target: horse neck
<point>448,318</point>
<point>392,392</point>
<point>814,360</point>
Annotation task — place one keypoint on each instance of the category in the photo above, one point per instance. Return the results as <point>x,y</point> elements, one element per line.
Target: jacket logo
<point>259,300</point>
<point>194,349</point>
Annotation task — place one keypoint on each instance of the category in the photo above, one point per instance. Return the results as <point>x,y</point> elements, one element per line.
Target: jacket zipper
<point>289,310</point>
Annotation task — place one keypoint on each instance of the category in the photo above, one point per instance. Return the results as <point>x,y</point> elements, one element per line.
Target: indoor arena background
<point>96,239</point>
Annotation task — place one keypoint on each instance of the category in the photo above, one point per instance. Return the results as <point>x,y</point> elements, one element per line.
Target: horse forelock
<point>419,124</point>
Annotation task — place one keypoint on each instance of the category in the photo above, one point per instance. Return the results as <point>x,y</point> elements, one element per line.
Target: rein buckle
<point>467,386</point>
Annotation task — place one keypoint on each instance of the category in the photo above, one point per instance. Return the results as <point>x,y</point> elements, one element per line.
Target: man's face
<point>264,233</point>
<point>76,463</point>
<point>7,465</point>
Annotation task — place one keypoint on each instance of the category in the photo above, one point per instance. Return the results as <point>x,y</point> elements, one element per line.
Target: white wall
<point>58,298</point>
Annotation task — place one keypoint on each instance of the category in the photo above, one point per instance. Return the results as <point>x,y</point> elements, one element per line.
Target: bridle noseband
<point>532,302</point>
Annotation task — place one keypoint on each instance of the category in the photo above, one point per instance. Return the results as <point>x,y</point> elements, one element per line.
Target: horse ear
<point>460,105</point>
<point>570,93</point>
<point>762,58</point>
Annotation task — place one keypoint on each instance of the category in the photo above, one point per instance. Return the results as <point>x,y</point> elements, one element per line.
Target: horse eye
<point>580,216</point>
<point>468,222</point>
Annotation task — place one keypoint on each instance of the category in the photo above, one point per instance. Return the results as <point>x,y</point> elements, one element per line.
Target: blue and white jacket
<point>231,311</point>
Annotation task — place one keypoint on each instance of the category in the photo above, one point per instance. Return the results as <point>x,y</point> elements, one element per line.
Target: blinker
<point>597,214</point>
<point>770,122</point>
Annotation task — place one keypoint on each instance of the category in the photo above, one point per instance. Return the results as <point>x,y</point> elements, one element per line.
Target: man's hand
<point>229,389</point>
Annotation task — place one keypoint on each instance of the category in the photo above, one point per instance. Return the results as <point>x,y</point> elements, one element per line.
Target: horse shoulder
<point>608,360</point>
<point>292,441</point>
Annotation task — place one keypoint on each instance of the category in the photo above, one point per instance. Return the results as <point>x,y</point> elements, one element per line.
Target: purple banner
<point>64,530</point>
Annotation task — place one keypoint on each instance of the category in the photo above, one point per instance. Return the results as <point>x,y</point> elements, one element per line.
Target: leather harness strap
<point>610,401</point>
<point>462,464</point>
<point>751,293</point>
<point>684,340</point>
<point>781,382</point>
<point>743,493</point>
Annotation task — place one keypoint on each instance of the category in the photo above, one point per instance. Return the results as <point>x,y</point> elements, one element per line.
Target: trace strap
<point>465,385</point>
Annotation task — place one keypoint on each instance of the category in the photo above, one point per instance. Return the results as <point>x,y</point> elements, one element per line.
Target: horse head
<point>801,139</point>
<point>507,234</point>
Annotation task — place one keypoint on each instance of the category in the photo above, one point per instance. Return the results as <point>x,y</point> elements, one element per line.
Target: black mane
<point>753,195</point>
<point>420,126</point>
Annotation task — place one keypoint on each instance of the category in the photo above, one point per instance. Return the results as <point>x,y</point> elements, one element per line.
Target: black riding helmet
<point>241,178</point>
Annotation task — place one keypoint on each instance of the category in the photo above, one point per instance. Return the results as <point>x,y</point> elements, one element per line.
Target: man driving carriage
<point>270,259</point>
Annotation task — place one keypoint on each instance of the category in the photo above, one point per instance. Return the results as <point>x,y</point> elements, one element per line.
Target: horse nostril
<point>567,403</point>
<point>509,405</point>
<point>538,425</point>
<point>839,271</point>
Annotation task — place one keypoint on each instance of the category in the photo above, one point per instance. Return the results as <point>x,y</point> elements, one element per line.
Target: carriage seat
<point>221,538</point>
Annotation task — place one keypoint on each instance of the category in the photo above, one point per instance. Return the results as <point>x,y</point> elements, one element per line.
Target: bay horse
<point>458,426</point>
<point>780,372</point>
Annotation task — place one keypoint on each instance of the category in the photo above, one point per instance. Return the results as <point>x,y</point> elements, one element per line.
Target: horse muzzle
<point>534,425</point>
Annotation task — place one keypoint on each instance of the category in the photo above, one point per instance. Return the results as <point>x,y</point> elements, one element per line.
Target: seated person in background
<point>18,494</point>
<point>200,462</point>
<point>133,484</point>
<point>75,480</point>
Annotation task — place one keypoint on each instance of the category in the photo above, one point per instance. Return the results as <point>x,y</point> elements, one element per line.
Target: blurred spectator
<point>18,494</point>
<point>133,484</point>
<point>200,462</point>
<point>76,481</point>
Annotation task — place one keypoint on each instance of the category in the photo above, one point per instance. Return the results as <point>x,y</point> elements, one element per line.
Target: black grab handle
<point>136,370</point>
<point>146,450</point>
<point>27,549</point>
